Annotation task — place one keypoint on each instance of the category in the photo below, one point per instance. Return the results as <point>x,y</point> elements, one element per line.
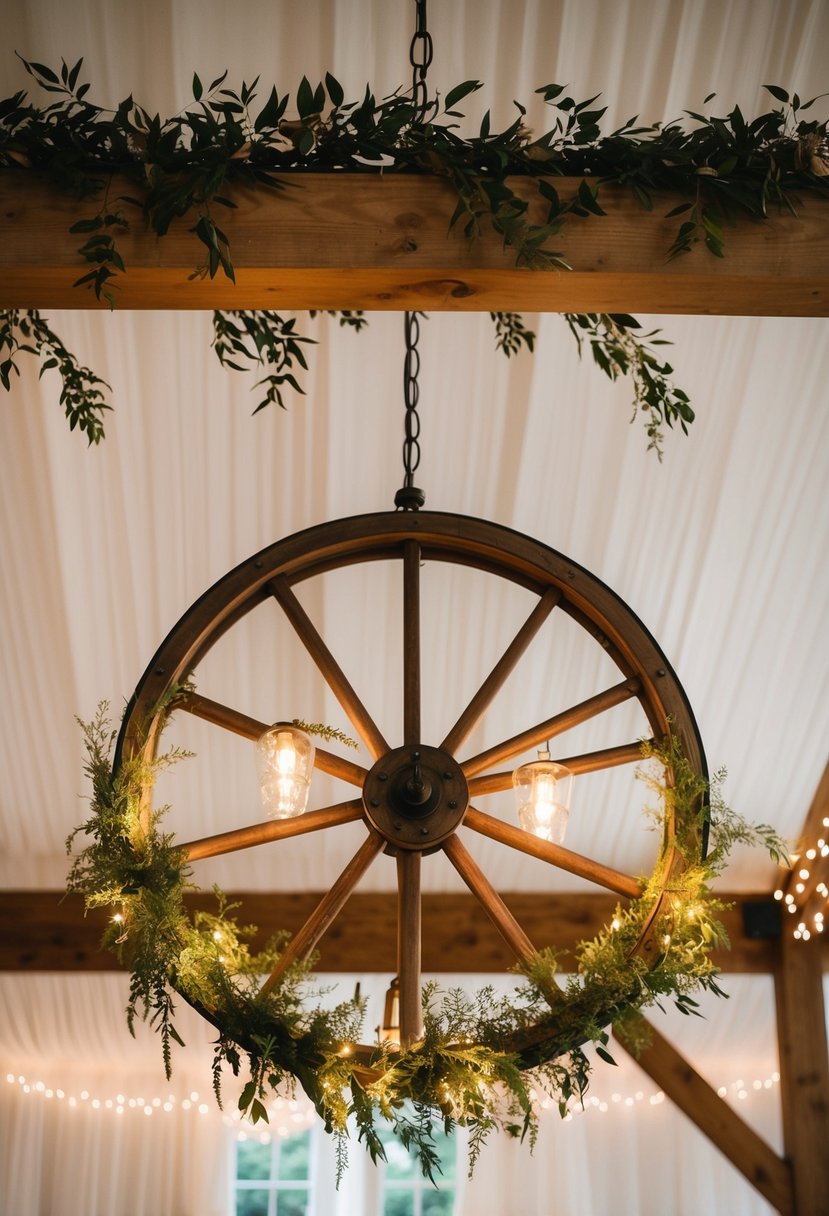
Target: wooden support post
<point>747,1151</point>
<point>804,1071</point>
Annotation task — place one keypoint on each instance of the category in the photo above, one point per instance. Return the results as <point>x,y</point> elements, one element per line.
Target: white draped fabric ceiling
<point>721,550</point>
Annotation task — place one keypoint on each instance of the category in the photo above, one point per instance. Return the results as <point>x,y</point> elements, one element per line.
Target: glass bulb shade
<point>543,790</point>
<point>389,1032</point>
<point>285,763</point>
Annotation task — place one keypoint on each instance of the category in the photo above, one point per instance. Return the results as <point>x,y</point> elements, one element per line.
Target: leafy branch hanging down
<point>484,1058</point>
<point>511,333</point>
<point>263,339</point>
<point>268,341</point>
<point>81,394</point>
<point>619,352</point>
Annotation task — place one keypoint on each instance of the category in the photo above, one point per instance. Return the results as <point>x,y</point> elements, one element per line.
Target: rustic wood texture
<point>274,829</point>
<point>587,762</point>
<point>51,932</point>
<point>330,670</point>
<point>551,727</point>
<point>251,728</point>
<point>564,859</point>
<point>325,913</point>
<point>489,899</point>
<point>804,1070</point>
<point>755,1160</point>
<point>290,248</point>
<point>443,538</point>
<point>411,642</point>
<point>409,946</point>
<point>493,683</point>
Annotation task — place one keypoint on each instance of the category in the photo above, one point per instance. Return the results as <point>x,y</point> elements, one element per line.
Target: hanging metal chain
<point>409,497</point>
<point>420,56</point>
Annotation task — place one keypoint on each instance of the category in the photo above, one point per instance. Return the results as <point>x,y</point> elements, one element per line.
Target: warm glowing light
<point>118,919</point>
<point>285,761</point>
<point>543,790</point>
<point>778,894</point>
<point>803,874</point>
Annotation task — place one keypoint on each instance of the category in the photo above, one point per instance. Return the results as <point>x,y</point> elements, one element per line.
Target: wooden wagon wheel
<point>407,825</point>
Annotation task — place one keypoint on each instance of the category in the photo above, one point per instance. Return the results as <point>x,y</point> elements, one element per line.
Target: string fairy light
<point>287,1114</point>
<point>805,894</point>
<point>290,1115</point>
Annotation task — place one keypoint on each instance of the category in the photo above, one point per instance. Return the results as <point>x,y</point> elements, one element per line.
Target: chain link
<point>420,57</point>
<point>409,497</point>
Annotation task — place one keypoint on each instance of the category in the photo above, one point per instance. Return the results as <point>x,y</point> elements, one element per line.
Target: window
<point>405,1192</point>
<point>295,1175</point>
<point>274,1179</point>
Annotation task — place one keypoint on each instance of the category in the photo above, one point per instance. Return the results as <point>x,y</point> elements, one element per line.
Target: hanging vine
<point>187,166</point>
<point>481,1056</point>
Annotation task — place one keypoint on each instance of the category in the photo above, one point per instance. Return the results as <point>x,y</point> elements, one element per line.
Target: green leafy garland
<point>482,1059</point>
<point>725,167</point>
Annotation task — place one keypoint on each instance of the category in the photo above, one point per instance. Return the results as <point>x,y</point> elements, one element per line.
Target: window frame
<point>363,1188</point>
<point>418,1185</point>
<point>274,1184</point>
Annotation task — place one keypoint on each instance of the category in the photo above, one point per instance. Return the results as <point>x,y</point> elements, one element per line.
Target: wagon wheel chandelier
<point>420,794</point>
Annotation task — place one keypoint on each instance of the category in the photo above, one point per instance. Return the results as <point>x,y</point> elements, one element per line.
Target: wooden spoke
<point>488,898</point>
<point>495,680</point>
<point>274,829</point>
<point>338,766</point>
<point>587,762</point>
<point>553,726</point>
<point>411,643</point>
<point>250,728</point>
<point>534,846</point>
<point>326,910</point>
<point>409,946</point>
<point>330,669</point>
<point>223,715</point>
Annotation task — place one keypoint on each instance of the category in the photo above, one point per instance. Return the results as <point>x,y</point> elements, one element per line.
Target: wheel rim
<point>415,538</point>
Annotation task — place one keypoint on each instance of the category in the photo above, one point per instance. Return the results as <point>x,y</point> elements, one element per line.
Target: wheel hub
<point>415,796</point>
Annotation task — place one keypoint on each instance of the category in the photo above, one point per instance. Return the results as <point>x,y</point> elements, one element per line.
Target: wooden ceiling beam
<point>381,242</point>
<point>757,1162</point>
<point>49,933</point>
